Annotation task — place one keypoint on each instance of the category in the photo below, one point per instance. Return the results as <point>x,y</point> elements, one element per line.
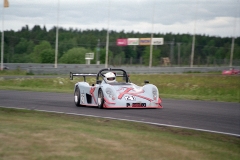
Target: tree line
<point>37,45</point>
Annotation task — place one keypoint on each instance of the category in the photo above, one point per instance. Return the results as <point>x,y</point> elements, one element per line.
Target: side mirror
<point>146,81</point>
<point>125,77</point>
<point>71,76</point>
<point>99,82</point>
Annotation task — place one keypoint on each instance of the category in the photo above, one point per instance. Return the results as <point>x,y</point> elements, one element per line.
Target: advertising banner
<point>122,42</point>
<point>144,41</point>
<point>157,41</point>
<point>133,41</point>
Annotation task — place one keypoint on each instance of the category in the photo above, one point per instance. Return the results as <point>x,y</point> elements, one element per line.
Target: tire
<point>77,97</point>
<point>100,99</point>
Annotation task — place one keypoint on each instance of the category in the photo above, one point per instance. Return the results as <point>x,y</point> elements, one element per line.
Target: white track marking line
<point>152,123</point>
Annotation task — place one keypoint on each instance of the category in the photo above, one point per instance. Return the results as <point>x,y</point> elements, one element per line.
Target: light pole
<point>107,40</point>
<point>233,39</point>
<point>5,5</point>
<point>2,41</point>
<point>193,40</point>
<point>232,50</point>
<point>151,45</point>
<point>98,49</point>
<point>192,53</point>
<point>56,44</point>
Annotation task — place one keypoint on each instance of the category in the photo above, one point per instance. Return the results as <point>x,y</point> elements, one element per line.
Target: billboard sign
<point>122,42</point>
<point>157,41</point>
<point>89,56</point>
<point>133,41</point>
<point>144,41</point>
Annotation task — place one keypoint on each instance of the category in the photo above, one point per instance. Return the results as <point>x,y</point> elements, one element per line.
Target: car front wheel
<point>77,97</point>
<point>100,99</point>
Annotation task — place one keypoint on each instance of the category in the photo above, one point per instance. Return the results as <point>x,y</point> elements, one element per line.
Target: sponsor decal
<point>133,41</point>
<point>136,94</point>
<point>144,41</point>
<point>130,98</point>
<point>92,90</point>
<point>157,41</point>
<point>122,42</point>
<point>136,105</point>
<point>92,93</point>
<point>82,98</point>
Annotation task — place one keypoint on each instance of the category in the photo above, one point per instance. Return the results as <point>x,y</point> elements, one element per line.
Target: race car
<point>113,89</point>
<point>231,71</point>
<point>4,68</point>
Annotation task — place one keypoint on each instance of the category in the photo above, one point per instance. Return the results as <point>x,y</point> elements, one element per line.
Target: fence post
<point>207,61</point>
<point>120,61</point>
<point>179,52</point>
<point>199,61</point>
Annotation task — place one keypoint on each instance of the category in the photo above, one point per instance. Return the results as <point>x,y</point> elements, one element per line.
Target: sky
<point>206,17</point>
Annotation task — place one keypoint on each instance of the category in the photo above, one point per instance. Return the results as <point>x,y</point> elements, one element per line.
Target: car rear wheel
<point>77,97</point>
<point>100,99</point>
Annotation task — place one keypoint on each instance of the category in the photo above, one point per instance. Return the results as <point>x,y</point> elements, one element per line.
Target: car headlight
<point>154,93</point>
<point>110,93</point>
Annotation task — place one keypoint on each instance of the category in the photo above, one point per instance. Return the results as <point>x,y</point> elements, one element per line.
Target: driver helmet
<point>110,77</point>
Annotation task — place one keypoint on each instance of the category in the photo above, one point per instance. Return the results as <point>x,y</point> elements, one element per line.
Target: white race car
<point>113,89</point>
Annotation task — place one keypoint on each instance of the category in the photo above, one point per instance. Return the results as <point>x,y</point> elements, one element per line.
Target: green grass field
<point>30,135</point>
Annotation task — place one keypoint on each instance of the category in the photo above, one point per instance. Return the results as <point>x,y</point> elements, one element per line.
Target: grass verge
<point>33,135</point>
<point>184,86</point>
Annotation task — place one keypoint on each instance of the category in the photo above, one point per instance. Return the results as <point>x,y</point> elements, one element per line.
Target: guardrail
<point>94,68</point>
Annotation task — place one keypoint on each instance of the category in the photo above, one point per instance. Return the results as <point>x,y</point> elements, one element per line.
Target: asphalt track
<point>220,117</point>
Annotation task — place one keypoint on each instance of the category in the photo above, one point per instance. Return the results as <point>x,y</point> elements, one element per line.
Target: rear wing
<point>101,74</point>
<point>84,75</point>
